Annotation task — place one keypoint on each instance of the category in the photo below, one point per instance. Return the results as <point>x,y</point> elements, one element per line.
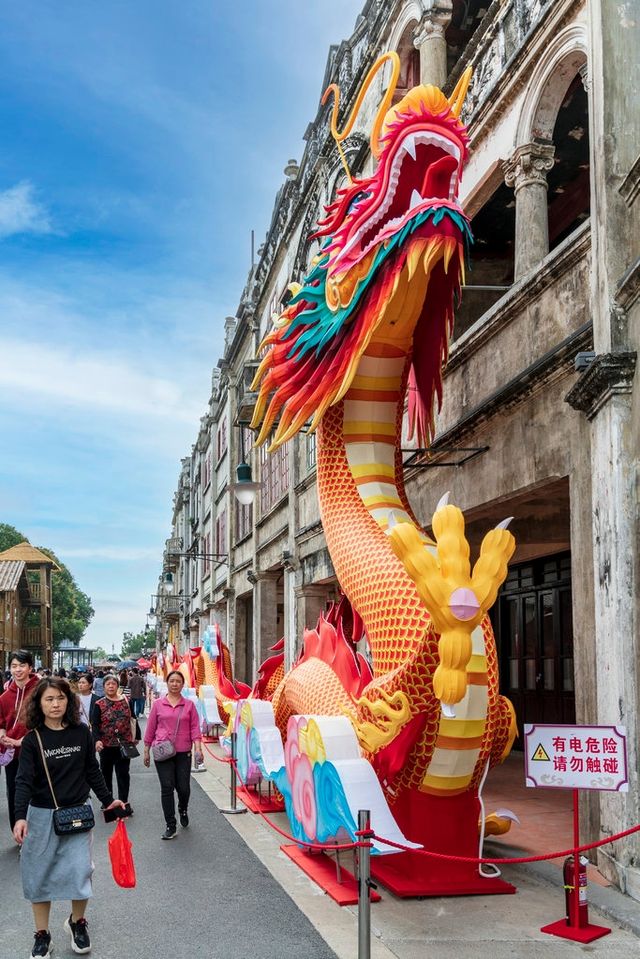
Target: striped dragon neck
<point>372,437</point>
<point>371,433</point>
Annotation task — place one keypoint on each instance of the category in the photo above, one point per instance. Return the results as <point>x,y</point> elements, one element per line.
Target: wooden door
<point>535,641</point>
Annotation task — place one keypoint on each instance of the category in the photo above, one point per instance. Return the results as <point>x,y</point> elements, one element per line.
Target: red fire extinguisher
<point>568,872</point>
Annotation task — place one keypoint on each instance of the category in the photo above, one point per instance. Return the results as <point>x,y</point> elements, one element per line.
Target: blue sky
<point>142,141</point>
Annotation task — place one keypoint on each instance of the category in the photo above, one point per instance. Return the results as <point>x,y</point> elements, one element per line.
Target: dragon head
<point>422,149</point>
<point>375,235</point>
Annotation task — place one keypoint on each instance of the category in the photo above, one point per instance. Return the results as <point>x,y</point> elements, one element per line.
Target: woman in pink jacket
<point>174,719</point>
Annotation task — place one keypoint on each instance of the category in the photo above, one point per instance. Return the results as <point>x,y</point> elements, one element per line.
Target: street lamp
<point>244,489</point>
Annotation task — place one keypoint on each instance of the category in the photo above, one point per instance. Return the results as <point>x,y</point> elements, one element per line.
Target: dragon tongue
<point>438,179</point>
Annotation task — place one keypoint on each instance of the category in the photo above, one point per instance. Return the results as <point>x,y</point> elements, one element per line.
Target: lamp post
<point>244,488</point>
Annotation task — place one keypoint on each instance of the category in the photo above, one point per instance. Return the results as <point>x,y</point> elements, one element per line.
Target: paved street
<point>204,894</point>
<point>207,894</point>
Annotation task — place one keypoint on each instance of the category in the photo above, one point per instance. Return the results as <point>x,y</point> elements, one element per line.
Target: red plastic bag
<point>122,865</point>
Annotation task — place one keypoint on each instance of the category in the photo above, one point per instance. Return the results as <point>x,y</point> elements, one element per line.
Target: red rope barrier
<point>512,860</point>
<point>507,861</point>
<point>217,758</point>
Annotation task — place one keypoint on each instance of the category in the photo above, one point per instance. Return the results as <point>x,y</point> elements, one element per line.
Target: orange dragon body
<point>371,322</point>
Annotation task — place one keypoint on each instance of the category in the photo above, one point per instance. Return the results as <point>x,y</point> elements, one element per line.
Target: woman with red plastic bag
<point>58,768</point>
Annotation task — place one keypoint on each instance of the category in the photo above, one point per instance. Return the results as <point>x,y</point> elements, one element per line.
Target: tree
<point>134,643</point>
<point>71,609</point>
<point>99,654</point>
<point>9,536</point>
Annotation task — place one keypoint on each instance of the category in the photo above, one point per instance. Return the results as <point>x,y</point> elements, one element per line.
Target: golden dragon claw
<point>456,598</point>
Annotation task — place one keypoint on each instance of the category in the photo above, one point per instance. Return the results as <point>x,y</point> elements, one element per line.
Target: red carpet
<point>259,802</point>
<point>409,874</point>
<point>322,869</point>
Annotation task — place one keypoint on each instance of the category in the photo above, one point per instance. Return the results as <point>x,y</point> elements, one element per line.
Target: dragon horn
<point>340,135</point>
<point>456,99</point>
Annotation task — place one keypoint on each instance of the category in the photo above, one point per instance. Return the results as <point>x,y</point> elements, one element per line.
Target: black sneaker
<point>169,833</point>
<point>184,819</point>
<point>41,945</point>
<point>79,932</point>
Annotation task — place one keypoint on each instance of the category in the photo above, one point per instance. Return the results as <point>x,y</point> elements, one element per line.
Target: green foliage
<point>99,654</point>
<point>71,609</point>
<point>134,643</point>
<point>9,536</point>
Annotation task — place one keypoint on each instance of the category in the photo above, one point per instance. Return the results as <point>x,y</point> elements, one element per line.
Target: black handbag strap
<point>46,769</point>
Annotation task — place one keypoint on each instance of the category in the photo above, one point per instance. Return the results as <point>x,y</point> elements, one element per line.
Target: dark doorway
<point>535,641</point>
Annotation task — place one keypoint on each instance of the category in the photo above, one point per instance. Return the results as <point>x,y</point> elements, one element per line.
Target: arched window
<point>568,181</point>
<point>409,63</point>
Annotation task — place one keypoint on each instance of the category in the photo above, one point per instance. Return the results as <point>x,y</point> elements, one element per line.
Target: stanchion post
<point>233,809</point>
<point>364,885</point>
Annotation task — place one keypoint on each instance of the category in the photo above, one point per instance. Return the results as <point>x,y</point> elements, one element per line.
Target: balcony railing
<point>173,545</point>
<point>496,41</point>
<point>247,398</point>
<point>170,606</point>
<point>32,636</point>
<point>476,301</point>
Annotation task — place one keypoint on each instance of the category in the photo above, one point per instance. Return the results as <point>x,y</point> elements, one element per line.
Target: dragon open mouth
<point>423,173</point>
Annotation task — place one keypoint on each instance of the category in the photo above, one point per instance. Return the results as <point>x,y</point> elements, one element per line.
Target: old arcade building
<point>25,602</point>
<point>541,406</point>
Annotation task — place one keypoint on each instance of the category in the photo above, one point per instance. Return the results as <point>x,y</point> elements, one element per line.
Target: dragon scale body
<point>371,320</point>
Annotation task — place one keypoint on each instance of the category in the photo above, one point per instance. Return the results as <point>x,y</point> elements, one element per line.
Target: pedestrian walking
<point>13,711</point>
<point>138,690</point>
<point>173,722</point>
<point>125,688</point>
<point>58,768</point>
<point>86,698</point>
<point>98,684</point>
<point>114,725</point>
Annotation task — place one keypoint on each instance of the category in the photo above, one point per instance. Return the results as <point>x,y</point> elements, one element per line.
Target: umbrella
<point>144,664</point>
<point>127,664</point>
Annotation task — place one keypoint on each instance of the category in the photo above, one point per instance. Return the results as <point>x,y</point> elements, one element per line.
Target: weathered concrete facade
<point>552,188</point>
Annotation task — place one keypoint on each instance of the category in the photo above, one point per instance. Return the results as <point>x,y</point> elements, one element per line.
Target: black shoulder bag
<point>67,820</point>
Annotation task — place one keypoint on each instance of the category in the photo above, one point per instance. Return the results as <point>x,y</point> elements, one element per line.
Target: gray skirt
<point>54,867</point>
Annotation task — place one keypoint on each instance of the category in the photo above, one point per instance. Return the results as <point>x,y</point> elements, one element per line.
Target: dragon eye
<point>359,196</point>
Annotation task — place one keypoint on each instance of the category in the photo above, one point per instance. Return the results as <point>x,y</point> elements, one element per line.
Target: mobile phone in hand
<point>110,815</point>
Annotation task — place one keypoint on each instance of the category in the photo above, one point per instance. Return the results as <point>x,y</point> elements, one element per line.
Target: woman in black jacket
<point>56,867</point>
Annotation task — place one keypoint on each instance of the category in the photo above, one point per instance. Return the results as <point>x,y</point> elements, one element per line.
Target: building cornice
<point>610,374</point>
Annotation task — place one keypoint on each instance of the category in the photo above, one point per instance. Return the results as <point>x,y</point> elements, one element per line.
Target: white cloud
<point>92,381</point>
<point>20,212</point>
<point>123,554</point>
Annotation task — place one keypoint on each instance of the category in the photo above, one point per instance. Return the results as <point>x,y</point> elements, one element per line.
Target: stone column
<point>311,601</point>
<point>290,625</point>
<point>229,614</point>
<point>526,171</point>
<point>429,39</point>
<point>265,620</point>
<point>610,391</point>
<point>604,394</point>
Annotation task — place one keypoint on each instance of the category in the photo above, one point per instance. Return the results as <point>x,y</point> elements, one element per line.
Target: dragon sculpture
<point>369,324</point>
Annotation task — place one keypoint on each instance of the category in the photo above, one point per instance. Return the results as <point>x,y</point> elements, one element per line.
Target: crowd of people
<point>62,737</point>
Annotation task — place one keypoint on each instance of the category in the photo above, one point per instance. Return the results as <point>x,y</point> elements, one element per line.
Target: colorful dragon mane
<point>369,324</point>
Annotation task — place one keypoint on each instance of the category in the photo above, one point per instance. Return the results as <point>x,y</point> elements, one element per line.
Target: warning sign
<point>576,757</point>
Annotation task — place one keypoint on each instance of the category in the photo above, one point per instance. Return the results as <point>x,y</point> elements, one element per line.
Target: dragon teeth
<point>410,147</point>
<point>416,199</point>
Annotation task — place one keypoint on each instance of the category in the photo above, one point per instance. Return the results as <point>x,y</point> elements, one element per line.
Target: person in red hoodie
<point>13,714</point>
